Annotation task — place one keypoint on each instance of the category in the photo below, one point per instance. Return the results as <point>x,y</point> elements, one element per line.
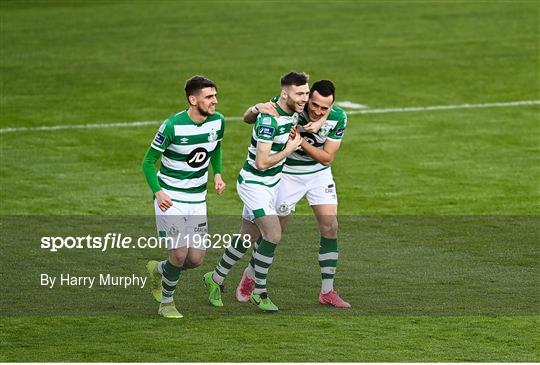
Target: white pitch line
<point>78,126</point>
<point>445,107</point>
<point>89,126</point>
<point>350,112</point>
<point>351,105</point>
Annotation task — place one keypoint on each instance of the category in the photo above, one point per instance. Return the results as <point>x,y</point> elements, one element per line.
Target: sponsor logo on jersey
<point>201,228</point>
<point>212,136</point>
<point>197,157</point>
<point>266,131</point>
<point>159,138</point>
<point>310,138</point>
<point>340,132</point>
<point>329,189</point>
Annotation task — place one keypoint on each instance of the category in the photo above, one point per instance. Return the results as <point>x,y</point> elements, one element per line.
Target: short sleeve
<point>336,133</point>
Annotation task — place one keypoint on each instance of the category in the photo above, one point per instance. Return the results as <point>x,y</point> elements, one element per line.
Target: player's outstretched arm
<point>250,116</point>
<point>325,155</point>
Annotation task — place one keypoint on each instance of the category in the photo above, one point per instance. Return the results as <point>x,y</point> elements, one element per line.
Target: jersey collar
<point>195,123</point>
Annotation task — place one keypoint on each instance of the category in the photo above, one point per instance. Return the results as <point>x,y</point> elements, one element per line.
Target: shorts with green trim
<point>182,225</point>
<point>318,187</point>
<point>259,200</point>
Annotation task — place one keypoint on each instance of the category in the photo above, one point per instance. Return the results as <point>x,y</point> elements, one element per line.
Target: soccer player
<point>307,173</point>
<point>187,143</point>
<point>274,138</point>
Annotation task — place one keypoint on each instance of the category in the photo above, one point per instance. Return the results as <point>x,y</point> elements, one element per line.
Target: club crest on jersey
<point>212,136</point>
<point>197,157</point>
<point>325,129</point>
<point>294,120</point>
<point>266,131</point>
<point>302,118</point>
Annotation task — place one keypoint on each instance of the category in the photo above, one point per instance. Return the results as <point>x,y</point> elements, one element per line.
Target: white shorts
<point>183,225</point>
<point>259,200</point>
<point>319,188</point>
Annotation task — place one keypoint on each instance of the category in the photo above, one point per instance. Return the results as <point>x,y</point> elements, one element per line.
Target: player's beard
<point>291,104</point>
<point>204,113</point>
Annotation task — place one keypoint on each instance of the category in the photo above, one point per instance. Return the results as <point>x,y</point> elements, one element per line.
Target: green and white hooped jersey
<point>299,162</point>
<point>187,147</point>
<point>273,130</point>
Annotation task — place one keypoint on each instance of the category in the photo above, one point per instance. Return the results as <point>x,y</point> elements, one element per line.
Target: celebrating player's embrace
<point>294,139</point>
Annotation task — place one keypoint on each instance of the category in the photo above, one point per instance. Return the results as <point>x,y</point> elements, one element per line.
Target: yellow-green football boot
<point>168,310</point>
<point>263,302</point>
<point>155,280</point>
<point>214,290</point>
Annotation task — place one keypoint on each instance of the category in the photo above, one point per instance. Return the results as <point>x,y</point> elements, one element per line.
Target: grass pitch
<point>439,228</point>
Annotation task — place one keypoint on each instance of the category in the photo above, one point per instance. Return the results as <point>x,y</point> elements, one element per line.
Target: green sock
<point>169,280</point>
<point>255,247</point>
<point>263,259</point>
<point>231,255</point>
<point>328,257</point>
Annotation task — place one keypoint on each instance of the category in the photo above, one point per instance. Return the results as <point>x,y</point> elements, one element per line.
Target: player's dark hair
<point>294,78</point>
<point>197,83</point>
<point>323,87</point>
